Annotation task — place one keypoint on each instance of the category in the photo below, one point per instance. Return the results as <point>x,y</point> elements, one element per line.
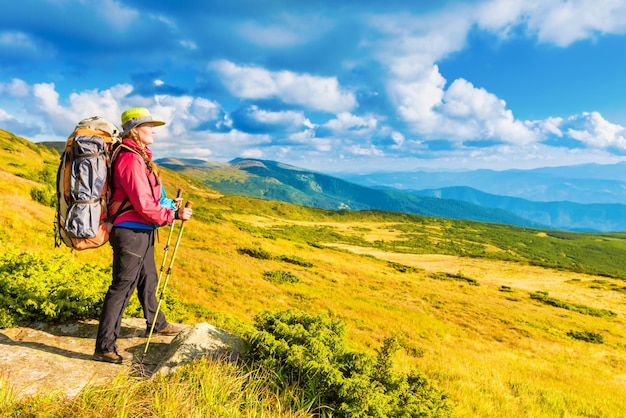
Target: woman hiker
<point>143,207</point>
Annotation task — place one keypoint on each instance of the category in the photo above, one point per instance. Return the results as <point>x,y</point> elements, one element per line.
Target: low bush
<point>309,354</point>
<point>458,277</point>
<point>255,253</point>
<point>402,268</point>
<point>585,310</point>
<point>279,276</point>
<point>52,287</point>
<point>44,195</point>
<point>292,259</point>
<point>587,336</point>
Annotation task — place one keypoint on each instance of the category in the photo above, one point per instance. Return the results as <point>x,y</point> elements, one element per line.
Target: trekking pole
<point>167,245</point>
<point>167,277</point>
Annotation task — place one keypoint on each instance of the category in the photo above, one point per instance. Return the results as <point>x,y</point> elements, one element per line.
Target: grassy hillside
<point>507,321</point>
<point>275,181</point>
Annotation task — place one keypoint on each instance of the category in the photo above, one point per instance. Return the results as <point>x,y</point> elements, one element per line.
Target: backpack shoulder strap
<point>125,205</point>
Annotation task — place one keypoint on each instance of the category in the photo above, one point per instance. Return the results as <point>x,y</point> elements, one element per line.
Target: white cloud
<point>398,139</point>
<point>566,22</point>
<point>303,136</point>
<point>412,45</point>
<point>252,153</point>
<point>416,97</point>
<point>116,13</point>
<point>5,117</point>
<point>348,124</point>
<point>312,92</point>
<point>182,113</point>
<point>474,113</point>
<point>291,120</point>
<point>16,88</point>
<point>188,44</point>
<point>286,31</point>
<point>371,150</point>
<point>17,40</point>
<point>594,131</point>
<point>554,21</point>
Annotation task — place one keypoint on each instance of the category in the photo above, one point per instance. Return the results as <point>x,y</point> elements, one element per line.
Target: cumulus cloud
<point>391,61</point>
<point>474,113</point>
<point>433,107</point>
<point>563,23</point>
<point>313,92</point>
<point>356,126</point>
<point>416,97</point>
<point>594,131</point>
<point>290,120</point>
<point>62,118</point>
<point>555,21</point>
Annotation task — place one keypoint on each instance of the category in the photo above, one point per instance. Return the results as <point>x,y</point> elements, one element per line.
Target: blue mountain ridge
<point>585,183</point>
<point>277,181</point>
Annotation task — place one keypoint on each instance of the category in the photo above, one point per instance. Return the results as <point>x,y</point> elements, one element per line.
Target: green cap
<point>135,117</point>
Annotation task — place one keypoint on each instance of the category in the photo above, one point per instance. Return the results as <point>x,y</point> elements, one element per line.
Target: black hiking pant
<point>133,267</point>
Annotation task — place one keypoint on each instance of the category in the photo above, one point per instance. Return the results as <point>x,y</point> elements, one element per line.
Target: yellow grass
<point>496,353</point>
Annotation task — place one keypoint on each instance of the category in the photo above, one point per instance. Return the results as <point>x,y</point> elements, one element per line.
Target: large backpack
<point>83,186</point>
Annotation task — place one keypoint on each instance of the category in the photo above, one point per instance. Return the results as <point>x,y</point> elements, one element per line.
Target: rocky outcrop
<point>200,340</point>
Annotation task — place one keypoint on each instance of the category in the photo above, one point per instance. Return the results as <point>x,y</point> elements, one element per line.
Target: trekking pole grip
<point>179,195</point>
<point>187,205</point>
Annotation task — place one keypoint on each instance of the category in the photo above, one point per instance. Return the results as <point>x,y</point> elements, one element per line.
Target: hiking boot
<point>112,356</point>
<point>170,329</point>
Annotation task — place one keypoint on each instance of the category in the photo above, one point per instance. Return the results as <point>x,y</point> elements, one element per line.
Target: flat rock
<point>44,358</point>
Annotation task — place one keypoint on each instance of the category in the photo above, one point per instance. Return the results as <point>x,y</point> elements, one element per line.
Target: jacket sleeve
<point>166,201</point>
<point>132,176</point>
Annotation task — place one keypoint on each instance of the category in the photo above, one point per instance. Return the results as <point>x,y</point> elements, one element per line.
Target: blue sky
<point>328,85</point>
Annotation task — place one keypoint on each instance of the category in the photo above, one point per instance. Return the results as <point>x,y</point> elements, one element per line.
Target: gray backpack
<point>83,187</point>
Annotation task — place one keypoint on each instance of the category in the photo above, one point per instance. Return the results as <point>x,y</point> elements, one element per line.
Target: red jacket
<point>132,178</point>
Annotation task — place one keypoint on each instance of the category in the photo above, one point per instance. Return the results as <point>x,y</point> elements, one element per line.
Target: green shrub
<point>279,276</point>
<point>587,336</point>
<point>458,277</point>
<point>585,310</point>
<point>255,252</point>
<point>49,288</point>
<point>401,267</point>
<point>294,260</point>
<point>309,353</point>
<point>45,196</point>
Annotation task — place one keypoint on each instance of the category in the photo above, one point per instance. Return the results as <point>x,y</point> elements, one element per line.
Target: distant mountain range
<point>589,197</point>
<point>585,183</point>
<point>276,181</point>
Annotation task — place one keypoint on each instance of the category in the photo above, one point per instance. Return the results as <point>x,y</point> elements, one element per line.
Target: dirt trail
<point>42,358</point>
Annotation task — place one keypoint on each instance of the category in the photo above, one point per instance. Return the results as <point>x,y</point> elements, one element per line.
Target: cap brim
<point>153,122</point>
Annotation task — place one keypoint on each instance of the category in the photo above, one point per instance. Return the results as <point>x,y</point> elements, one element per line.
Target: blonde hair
<point>132,134</point>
